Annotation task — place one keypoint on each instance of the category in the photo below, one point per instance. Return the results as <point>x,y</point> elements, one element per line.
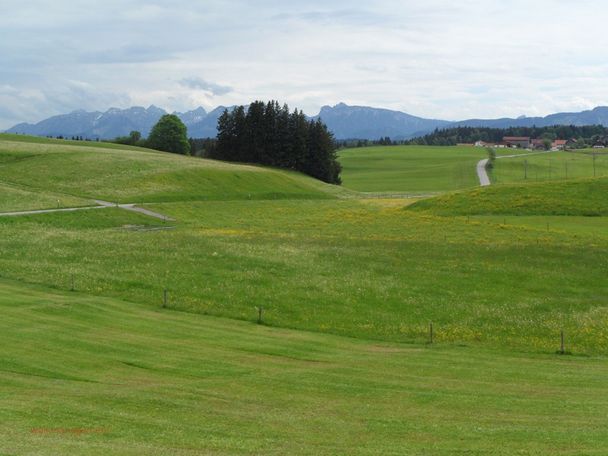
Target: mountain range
<point>346,122</point>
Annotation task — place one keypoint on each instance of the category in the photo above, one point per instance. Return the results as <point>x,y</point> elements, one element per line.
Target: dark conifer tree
<point>267,133</point>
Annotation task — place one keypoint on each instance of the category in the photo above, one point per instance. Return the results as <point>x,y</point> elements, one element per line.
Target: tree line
<point>269,134</point>
<point>584,136</point>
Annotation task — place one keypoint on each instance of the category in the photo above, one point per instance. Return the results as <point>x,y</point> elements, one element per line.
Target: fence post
<point>72,282</point>
<point>431,333</point>
<point>164,298</point>
<point>260,310</point>
<point>562,348</point>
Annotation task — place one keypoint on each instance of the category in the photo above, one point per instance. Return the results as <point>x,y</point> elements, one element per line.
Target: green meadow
<point>348,287</point>
<point>581,197</point>
<point>410,169</point>
<point>552,166</point>
<point>138,175</point>
<point>91,375</point>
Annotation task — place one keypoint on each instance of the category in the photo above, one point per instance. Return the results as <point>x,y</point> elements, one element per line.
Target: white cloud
<point>438,58</point>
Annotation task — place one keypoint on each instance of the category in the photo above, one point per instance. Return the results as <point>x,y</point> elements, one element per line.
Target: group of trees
<point>263,133</point>
<point>585,135</point>
<point>169,135</point>
<point>383,141</point>
<point>269,134</point>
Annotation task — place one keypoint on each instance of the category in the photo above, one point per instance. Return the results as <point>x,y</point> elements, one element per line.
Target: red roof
<point>559,142</point>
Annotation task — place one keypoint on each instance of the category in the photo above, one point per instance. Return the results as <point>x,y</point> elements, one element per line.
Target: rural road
<point>482,173</point>
<point>101,205</point>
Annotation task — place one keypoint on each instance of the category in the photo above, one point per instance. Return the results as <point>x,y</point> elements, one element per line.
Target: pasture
<point>552,166</point>
<point>348,285</point>
<point>88,375</point>
<point>409,169</point>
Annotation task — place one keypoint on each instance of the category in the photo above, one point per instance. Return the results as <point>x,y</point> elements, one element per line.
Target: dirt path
<point>482,172</point>
<point>101,205</point>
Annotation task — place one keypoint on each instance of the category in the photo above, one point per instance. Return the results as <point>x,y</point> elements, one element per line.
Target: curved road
<point>482,173</point>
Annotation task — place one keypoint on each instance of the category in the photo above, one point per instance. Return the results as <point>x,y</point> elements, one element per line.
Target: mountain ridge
<point>345,121</point>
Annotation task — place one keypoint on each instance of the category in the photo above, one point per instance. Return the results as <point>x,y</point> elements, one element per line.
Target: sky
<point>449,60</point>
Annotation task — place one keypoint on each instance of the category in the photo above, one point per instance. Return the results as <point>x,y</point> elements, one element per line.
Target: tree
<point>169,135</point>
<point>267,133</point>
<point>491,157</point>
<point>135,136</point>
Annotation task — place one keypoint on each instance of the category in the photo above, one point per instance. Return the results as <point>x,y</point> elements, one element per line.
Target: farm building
<point>559,144</point>
<point>517,141</point>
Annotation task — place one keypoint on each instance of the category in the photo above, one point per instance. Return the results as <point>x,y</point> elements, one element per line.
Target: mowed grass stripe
<point>89,375</point>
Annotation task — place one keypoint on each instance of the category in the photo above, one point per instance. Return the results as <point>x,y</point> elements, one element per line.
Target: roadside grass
<point>88,375</point>
<point>413,169</point>
<point>132,175</point>
<point>582,197</point>
<point>357,269</point>
<point>553,166</point>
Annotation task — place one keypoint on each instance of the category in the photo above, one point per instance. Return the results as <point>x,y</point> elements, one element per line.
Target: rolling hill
<point>127,174</point>
<point>126,334</point>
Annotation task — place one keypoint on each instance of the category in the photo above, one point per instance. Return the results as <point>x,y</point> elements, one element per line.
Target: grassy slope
<point>332,266</point>
<point>139,175</point>
<point>413,169</point>
<point>550,167</point>
<point>88,375</point>
<point>18,198</point>
<point>574,197</point>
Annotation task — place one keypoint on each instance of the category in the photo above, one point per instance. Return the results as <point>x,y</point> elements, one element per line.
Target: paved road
<point>47,211</point>
<point>101,205</point>
<point>482,173</point>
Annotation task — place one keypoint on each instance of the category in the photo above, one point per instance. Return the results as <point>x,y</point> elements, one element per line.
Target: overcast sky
<point>433,58</point>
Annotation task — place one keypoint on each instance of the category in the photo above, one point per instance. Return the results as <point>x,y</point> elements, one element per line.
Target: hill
<point>117,173</point>
<point>585,197</point>
<point>124,333</point>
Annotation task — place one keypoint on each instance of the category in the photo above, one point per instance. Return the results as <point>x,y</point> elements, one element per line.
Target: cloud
<point>200,84</point>
<point>437,58</point>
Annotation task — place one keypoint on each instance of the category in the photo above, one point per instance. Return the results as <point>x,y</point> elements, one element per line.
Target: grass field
<point>410,169</point>
<point>583,197</point>
<point>138,175</point>
<point>553,166</point>
<point>348,288</point>
<point>18,198</point>
<point>88,375</point>
<point>302,261</point>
